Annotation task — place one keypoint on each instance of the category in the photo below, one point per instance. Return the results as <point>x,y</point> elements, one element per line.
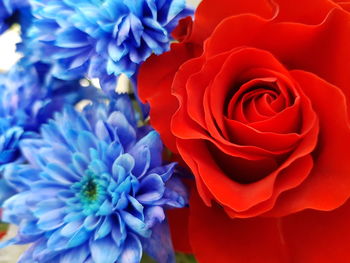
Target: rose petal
<point>301,11</point>
<point>238,240</point>
<point>302,51</point>
<point>155,78</point>
<point>209,14</point>
<point>178,223</point>
<point>327,187</point>
<point>318,237</point>
<point>305,237</point>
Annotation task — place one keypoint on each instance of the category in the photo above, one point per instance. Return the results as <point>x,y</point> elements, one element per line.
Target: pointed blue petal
<point>75,255</point>
<point>104,250</point>
<point>132,250</point>
<point>159,245</point>
<point>104,229</point>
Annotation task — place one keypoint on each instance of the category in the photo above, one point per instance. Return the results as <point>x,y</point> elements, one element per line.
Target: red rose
<point>255,101</point>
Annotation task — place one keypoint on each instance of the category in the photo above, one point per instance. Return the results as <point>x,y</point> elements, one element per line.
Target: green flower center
<point>89,190</point>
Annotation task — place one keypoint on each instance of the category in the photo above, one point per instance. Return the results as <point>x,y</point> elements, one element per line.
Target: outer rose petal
<point>155,79</point>
<point>318,237</point>
<point>305,237</point>
<point>328,185</point>
<point>178,222</point>
<point>183,29</point>
<point>209,14</point>
<point>307,12</point>
<point>217,238</point>
<point>345,4</point>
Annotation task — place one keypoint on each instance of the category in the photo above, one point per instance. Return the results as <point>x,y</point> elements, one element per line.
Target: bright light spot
<point>123,85</point>
<point>8,41</point>
<point>96,83</point>
<point>84,83</point>
<point>82,104</point>
<point>193,3</point>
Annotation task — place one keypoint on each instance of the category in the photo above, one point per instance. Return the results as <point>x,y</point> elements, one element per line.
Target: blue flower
<point>14,11</point>
<point>103,38</point>
<point>94,190</point>
<point>28,98</point>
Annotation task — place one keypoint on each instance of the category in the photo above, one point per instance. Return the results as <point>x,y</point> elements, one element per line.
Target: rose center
<point>257,100</point>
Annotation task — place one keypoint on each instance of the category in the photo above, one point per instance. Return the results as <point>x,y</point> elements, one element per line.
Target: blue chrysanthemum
<point>103,38</point>
<point>94,189</point>
<point>28,98</point>
<point>14,11</point>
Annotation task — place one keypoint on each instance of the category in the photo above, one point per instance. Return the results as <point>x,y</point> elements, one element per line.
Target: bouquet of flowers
<point>228,142</point>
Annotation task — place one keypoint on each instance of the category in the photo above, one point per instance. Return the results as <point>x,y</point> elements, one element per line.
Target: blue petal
<point>60,155</point>
<point>98,167</point>
<point>56,241</point>
<point>75,255</point>
<point>136,208</point>
<point>74,216</point>
<point>51,220</point>
<point>5,191</point>
<point>124,29</point>
<point>125,132</point>
<point>71,38</point>
<point>159,245</point>
<point>80,163</point>
<point>176,7</point>
<point>104,229</point>
<point>86,141</point>
<point>91,222</point>
<point>142,156</point>
<point>125,161</point>
<point>136,28</point>
<point>102,131</point>
<point>135,224</point>
<point>153,215</point>
<point>30,229</point>
<point>132,250</point>
<point>46,206</point>
<point>151,189</point>
<point>71,228</point>
<point>153,142</point>
<point>78,238</point>
<point>116,52</point>
<point>114,150</point>
<point>118,231</point>
<point>165,172</point>
<point>105,209</point>
<point>104,250</point>
<point>61,174</point>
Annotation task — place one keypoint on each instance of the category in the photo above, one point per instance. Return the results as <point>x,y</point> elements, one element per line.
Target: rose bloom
<point>254,98</point>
